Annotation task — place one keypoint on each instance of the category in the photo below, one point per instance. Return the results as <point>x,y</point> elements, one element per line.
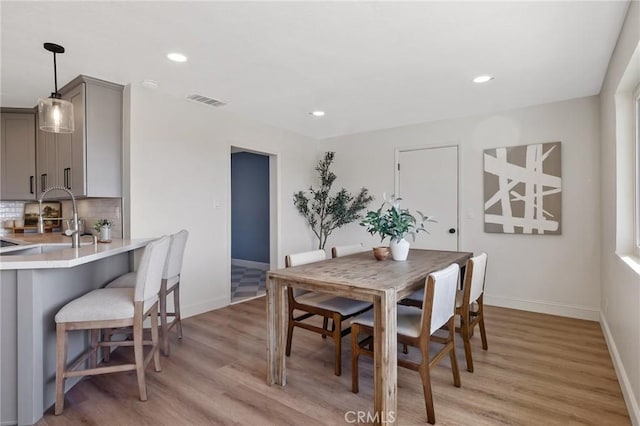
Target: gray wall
<point>620,292</point>
<point>250,207</point>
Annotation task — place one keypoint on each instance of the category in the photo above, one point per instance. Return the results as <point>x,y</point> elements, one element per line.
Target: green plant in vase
<point>103,226</point>
<point>395,223</point>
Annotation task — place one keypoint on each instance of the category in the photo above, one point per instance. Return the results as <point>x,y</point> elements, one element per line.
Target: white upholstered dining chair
<point>170,284</point>
<point>339,251</point>
<point>108,308</point>
<point>469,304</point>
<point>417,327</point>
<point>312,303</point>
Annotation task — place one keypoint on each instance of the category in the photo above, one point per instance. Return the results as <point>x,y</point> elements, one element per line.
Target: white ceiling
<point>369,65</point>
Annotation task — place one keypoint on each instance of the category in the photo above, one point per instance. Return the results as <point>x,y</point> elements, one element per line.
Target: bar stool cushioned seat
<point>101,304</point>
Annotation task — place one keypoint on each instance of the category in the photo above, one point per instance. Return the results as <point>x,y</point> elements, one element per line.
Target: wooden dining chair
<point>469,304</point>
<point>325,305</point>
<point>339,251</point>
<point>170,284</point>
<point>109,308</point>
<point>417,328</point>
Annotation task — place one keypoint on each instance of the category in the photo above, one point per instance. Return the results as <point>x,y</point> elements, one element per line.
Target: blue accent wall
<point>250,207</point>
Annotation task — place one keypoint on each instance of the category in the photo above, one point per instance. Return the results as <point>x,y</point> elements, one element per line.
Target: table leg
<point>276,332</point>
<point>385,358</point>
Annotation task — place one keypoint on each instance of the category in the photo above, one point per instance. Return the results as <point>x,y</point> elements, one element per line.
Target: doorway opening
<point>252,221</point>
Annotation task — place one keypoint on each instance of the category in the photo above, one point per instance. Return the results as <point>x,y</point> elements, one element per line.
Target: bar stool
<point>114,308</point>
<point>170,284</point>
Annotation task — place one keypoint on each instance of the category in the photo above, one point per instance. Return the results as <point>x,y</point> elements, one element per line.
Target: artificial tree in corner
<point>325,212</point>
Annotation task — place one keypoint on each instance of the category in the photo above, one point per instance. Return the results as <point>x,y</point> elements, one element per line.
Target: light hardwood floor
<point>539,370</point>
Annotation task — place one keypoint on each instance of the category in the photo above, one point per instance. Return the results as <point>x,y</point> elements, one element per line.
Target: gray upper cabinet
<point>17,156</point>
<point>88,161</point>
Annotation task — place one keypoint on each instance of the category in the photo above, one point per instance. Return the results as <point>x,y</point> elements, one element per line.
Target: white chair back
<point>298,259</point>
<point>303,258</point>
<point>477,276</point>
<point>150,270</point>
<point>444,296</point>
<point>173,266</point>
<point>339,251</point>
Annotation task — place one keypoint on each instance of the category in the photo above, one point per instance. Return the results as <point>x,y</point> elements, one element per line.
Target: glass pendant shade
<point>55,115</point>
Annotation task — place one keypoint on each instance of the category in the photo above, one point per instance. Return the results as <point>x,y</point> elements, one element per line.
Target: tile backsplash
<point>11,210</point>
<point>89,209</point>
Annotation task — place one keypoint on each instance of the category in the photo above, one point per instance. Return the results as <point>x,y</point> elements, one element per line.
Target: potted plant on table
<point>395,223</point>
<point>103,226</point>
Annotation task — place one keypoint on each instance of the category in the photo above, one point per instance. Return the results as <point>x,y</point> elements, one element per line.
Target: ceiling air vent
<point>205,100</point>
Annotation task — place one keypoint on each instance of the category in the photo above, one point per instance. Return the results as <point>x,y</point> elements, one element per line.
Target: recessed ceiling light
<point>177,57</point>
<point>317,113</point>
<point>483,78</point>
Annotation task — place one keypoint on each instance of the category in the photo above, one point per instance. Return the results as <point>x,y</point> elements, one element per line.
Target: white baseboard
<point>246,299</point>
<point>623,379</point>
<point>250,264</point>
<point>544,307</point>
<point>187,311</point>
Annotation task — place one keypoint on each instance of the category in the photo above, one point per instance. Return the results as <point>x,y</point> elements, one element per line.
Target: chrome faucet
<point>75,234</point>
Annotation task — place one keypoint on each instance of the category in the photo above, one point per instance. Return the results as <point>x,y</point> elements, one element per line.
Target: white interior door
<point>427,180</point>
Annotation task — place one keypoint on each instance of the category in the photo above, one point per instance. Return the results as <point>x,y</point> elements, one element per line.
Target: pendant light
<point>54,114</point>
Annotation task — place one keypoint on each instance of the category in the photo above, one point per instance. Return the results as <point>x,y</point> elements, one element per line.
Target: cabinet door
<point>18,157</point>
<point>46,165</point>
<point>72,147</point>
<point>103,124</point>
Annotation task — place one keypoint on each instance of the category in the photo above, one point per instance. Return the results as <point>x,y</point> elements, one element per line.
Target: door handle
<point>452,230</point>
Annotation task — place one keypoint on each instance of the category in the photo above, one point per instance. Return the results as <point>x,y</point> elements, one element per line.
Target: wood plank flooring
<point>539,370</point>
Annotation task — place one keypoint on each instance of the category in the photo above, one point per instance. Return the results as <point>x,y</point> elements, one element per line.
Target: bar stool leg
<point>139,356</point>
<point>61,362</point>
<point>176,309</point>
<point>154,338</point>
<point>163,319</point>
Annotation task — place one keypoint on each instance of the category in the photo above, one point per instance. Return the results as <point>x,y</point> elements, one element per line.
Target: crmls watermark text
<point>369,417</point>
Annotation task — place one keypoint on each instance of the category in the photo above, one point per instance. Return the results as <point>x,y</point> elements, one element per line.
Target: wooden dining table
<point>359,276</point>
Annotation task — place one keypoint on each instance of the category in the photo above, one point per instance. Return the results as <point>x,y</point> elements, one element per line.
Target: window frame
<point>636,189</point>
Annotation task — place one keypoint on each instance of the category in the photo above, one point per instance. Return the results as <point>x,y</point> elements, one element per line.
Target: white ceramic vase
<point>399,249</point>
<point>105,233</point>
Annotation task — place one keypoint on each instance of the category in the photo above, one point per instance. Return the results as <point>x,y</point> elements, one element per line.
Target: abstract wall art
<point>523,189</point>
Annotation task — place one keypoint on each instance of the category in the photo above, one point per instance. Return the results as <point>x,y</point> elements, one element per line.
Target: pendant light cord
<point>55,73</point>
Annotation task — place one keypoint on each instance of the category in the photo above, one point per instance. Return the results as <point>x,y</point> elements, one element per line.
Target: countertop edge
<point>69,258</point>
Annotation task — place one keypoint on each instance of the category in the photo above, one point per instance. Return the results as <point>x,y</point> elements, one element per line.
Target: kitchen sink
<point>38,249</point>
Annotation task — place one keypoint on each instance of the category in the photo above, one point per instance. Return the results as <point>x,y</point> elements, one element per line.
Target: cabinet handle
<point>43,182</point>
<point>31,184</point>
<point>67,180</point>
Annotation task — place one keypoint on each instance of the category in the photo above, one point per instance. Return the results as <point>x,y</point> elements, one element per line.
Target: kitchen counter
<point>28,253</point>
<point>38,276</point>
